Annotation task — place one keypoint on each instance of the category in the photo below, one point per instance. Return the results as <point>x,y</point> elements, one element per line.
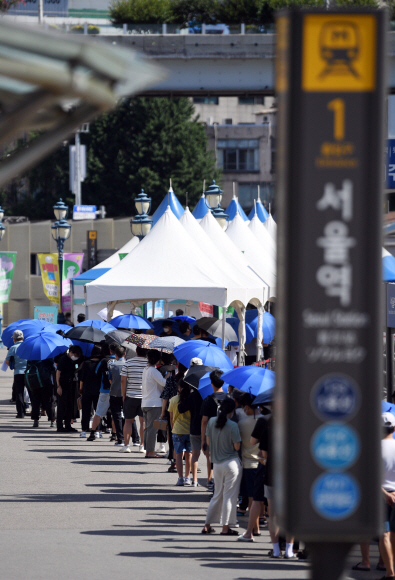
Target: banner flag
<point>49,266</point>
<point>72,266</point>
<point>7,268</point>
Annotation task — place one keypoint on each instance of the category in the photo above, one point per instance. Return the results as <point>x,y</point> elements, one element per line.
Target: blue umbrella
<point>28,327</point>
<point>251,379</point>
<point>42,346</point>
<point>218,342</point>
<point>158,326</point>
<point>86,347</point>
<point>266,397</point>
<point>234,322</point>
<point>184,318</point>
<point>131,321</point>
<point>100,324</point>
<point>268,324</point>
<point>205,389</point>
<point>210,354</point>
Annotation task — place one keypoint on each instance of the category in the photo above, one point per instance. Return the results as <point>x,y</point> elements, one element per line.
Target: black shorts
<point>247,482</point>
<point>132,408</point>
<point>259,483</point>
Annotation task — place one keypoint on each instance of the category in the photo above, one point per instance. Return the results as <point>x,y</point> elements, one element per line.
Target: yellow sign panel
<point>282,25</point>
<point>92,234</point>
<point>339,52</point>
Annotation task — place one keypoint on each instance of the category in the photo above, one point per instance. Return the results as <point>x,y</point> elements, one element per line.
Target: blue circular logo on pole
<point>335,397</point>
<point>335,496</point>
<point>335,446</point>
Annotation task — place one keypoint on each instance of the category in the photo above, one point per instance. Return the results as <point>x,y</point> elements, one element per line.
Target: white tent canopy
<point>257,256</point>
<point>114,258</point>
<point>262,234</point>
<point>271,226</point>
<point>241,276</point>
<point>169,264</point>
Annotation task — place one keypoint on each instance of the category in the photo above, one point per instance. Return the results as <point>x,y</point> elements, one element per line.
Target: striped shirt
<point>133,371</point>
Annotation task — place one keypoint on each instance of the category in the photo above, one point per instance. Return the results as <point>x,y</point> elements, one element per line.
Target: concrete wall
<point>29,238</point>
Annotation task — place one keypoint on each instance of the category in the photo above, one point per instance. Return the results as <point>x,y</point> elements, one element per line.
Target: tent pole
<point>223,326</point>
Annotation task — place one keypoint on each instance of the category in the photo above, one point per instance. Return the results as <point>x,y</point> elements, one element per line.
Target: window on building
<point>205,100</point>
<point>273,155</point>
<point>34,265</point>
<point>251,100</point>
<point>238,154</point>
<point>248,192</point>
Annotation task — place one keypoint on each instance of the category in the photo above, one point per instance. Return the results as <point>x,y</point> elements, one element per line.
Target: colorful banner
<point>7,267</point>
<point>206,310</point>
<point>49,267</point>
<point>72,266</point>
<point>47,314</point>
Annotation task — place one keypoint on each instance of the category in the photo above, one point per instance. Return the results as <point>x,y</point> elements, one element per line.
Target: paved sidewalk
<point>69,507</point>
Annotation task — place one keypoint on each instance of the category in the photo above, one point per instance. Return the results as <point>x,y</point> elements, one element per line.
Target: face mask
<point>74,357</point>
<point>166,329</point>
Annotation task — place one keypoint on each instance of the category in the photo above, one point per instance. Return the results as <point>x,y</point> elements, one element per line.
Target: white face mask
<point>167,329</point>
<point>74,357</point>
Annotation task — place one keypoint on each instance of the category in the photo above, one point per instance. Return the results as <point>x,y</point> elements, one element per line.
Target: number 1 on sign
<point>339,112</point>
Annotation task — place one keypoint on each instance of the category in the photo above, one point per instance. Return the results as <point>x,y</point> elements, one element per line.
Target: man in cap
<point>387,540</point>
<point>19,366</point>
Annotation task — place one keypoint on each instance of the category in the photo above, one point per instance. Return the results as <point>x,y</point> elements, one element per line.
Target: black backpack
<point>38,374</point>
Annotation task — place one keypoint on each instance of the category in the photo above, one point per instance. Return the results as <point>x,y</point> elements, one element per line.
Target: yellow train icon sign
<point>340,47</point>
<point>339,52</point>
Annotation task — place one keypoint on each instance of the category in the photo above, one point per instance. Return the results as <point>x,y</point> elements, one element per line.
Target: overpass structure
<point>220,65</point>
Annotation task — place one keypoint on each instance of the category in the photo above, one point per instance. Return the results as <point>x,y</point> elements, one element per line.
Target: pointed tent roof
<point>114,258</point>
<point>271,226</point>
<point>235,208</point>
<point>388,266</point>
<point>174,204</point>
<point>261,233</point>
<point>217,235</point>
<point>260,210</point>
<point>257,255</point>
<point>240,274</point>
<point>201,208</point>
<point>187,272</point>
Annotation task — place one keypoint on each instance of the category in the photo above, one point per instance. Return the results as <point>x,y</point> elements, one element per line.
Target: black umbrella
<point>86,334</point>
<point>118,336</point>
<point>214,326</point>
<point>195,373</point>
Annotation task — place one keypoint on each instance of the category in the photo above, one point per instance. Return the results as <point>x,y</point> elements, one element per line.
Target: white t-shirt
<point>388,455</point>
<point>153,384</point>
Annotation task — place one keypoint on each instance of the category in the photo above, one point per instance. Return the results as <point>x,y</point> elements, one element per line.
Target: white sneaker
<point>141,449</point>
<point>97,435</point>
<point>83,434</point>
<point>116,444</point>
<point>162,448</point>
<point>125,449</point>
<point>187,481</point>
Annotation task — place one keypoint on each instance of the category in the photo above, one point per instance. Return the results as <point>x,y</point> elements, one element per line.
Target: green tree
<point>142,144</point>
<point>139,11</point>
<point>185,11</point>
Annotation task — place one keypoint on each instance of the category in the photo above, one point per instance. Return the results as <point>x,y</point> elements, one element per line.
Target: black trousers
<point>88,399</point>
<point>65,410</point>
<point>42,397</point>
<point>18,389</point>
<point>116,412</point>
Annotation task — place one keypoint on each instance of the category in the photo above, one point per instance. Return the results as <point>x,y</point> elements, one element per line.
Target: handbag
<point>12,362</point>
<point>161,425</point>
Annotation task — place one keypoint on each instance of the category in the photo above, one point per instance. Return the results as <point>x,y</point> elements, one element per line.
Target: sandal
<point>256,533</point>
<point>361,567</point>
<point>380,567</point>
<point>209,531</point>
<point>230,532</point>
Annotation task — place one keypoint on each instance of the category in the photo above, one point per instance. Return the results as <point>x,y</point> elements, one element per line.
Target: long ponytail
<point>227,406</point>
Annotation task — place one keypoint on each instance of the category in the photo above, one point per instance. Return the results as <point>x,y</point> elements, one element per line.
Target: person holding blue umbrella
<point>18,364</point>
<point>39,381</point>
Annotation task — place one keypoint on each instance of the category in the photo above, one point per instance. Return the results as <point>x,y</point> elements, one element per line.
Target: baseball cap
<point>17,335</point>
<point>388,419</point>
<point>196,361</point>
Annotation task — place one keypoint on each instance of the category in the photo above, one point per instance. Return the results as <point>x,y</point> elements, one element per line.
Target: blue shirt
<point>102,371</point>
<point>20,363</point>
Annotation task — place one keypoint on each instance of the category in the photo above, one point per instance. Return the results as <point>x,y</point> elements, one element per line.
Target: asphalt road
<point>69,507</point>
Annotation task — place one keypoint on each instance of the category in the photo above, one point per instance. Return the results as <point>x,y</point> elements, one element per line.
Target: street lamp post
<point>61,231</point>
<point>214,197</point>
<point>141,224</point>
<point>2,232</point>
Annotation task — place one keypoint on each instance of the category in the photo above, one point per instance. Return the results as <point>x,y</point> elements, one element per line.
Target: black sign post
<point>330,84</point>
<point>91,242</point>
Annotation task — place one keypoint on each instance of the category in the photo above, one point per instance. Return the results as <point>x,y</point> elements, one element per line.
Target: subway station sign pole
<point>330,85</point>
